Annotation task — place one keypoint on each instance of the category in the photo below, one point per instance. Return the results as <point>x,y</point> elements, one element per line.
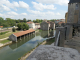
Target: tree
<point>24,20</point>
<point>1,18</point>
<point>13,29</point>
<point>25,26</point>
<point>19,25</point>
<point>22,26</point>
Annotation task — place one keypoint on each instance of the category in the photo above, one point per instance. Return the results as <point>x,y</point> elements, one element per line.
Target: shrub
<point>13,29</point>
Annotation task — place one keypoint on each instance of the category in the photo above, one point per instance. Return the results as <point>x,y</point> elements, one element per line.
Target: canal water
<point>16,50</point>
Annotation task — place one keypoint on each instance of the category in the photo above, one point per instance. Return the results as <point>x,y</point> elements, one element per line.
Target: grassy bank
<point>39,30</point>
<point>50,41</point>
<point>2,33</point>
<point>7,35</point>
<point>4,41</point>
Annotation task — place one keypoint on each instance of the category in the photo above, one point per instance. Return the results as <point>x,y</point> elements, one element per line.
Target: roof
<point>61,22</point>
<point>23,32</point>
<point>74,1</point>
<point>1,26</point>
<point>62,19</point>
<point>30,22</point>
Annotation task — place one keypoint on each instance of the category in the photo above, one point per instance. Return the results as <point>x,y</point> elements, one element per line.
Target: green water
<point>16,50</point>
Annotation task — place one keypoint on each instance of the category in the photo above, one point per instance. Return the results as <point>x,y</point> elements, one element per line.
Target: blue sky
<point>33,9</point>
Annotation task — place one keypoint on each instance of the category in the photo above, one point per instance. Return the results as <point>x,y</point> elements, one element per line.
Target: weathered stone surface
<point>69,31</point>
<point>62,35</point>
<point>50,52</point>
<point>12,37</point>
<point>44,26</point>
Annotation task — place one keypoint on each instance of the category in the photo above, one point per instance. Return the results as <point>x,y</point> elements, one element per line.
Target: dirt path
<point>4,38</point>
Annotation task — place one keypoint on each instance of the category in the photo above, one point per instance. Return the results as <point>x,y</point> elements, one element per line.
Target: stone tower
<point>74,11</point>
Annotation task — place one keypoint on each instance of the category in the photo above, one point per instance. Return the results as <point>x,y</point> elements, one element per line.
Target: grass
<point>2,33</point>
<point>7,35</point>
<point>50,41</point>
<point>40,30</point>
<point>4,41</point>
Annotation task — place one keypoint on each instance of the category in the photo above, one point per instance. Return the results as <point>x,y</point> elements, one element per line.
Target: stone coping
<point>50,52</point>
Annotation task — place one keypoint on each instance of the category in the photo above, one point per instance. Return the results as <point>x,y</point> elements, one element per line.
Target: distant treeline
<point>40,20</point>
<point>8,22</point>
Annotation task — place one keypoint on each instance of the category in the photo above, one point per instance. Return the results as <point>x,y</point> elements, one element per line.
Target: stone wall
<point>44,26</point>
<point>62,36</point>
<point>13,38</point>
<point>69,31</point>
<point>73,13</point>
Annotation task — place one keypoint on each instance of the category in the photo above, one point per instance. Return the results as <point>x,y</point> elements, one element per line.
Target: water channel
<point>16,50</point>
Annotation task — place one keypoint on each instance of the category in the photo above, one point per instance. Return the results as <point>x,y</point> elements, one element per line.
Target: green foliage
<point>19,25</point>
<point>5,41</point>
<point>4,32</point>
<point>25,26</point>
<point>24,20</point>
<point>13,29</point>
<point>22,26</point>
<point>37,21</point>
<point>7,23</point>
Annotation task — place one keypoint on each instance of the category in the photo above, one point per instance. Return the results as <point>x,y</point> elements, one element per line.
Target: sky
<point>33,9</point>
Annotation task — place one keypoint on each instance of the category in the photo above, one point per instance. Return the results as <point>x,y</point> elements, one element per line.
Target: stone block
<point>62,35</point>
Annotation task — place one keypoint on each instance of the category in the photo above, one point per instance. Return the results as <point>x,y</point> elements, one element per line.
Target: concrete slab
<point>50,52</point>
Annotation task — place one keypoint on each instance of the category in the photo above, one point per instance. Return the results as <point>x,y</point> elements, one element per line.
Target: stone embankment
<point>1,45</point>
<point>4,38</point>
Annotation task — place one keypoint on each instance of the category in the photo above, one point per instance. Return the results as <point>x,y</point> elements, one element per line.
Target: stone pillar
<point>69,31</point>
<point>20,37</point>
<point>61,37</point>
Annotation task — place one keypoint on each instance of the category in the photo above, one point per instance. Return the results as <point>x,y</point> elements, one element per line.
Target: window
<point>76,5</point>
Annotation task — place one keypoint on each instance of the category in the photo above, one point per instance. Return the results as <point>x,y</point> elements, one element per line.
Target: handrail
<point>57,39</point>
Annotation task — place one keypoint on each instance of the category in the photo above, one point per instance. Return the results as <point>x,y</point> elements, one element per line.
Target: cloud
<point>12,13</point>
<point>58,13</point>
<point>4,8</point>
<point>23,13</point>
<point>14,5</point>
<point>60,2</point>
<point>23,5</point>
<point>40,6</point>
<point>1,14</point>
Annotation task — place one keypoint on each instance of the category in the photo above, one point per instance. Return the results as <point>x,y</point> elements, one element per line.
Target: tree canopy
<point>22,26</point>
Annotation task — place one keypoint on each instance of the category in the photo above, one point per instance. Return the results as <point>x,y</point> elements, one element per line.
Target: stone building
<point>37,25</point>
<point>46,25</point>
<point>74,11</point>
<point>15,36</point>
<point>31,24</point>
<point>66,16</point>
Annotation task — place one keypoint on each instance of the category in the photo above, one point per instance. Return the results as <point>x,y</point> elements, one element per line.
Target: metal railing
<point>56,44</point>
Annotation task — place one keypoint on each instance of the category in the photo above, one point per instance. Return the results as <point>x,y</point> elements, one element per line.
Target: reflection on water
<point>16,50</point>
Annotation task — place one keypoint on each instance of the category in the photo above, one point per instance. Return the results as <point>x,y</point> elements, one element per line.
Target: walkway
<point>74,42</point>
<point>4,38</point>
